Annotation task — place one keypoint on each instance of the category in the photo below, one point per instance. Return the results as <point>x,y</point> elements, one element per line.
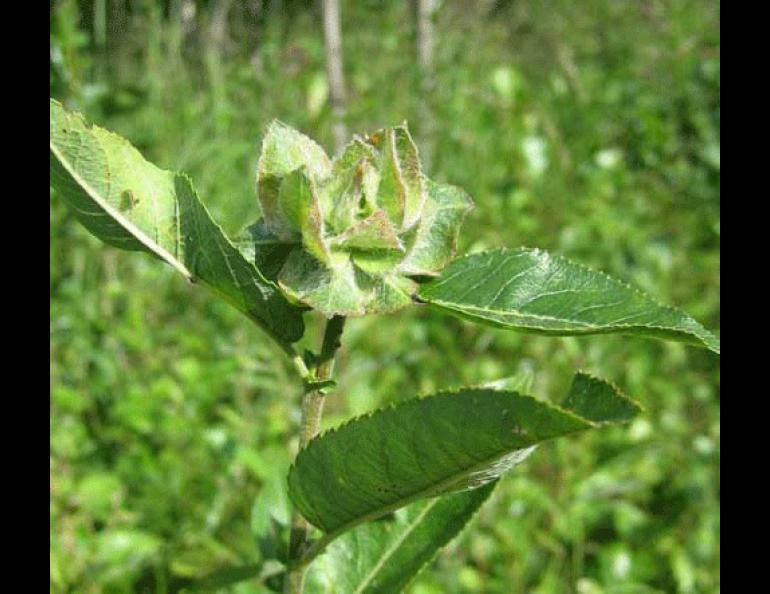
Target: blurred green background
<point>590,129</point>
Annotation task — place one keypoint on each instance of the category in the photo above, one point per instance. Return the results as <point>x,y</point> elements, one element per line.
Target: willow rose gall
<point>349,236</point>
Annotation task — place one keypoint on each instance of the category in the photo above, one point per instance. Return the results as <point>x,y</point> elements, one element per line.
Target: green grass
<point>590,129</point>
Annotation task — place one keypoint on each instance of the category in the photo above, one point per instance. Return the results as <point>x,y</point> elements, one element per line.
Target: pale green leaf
<point>433,242</point>
<point>382,557</point>
<point>350,192</point>
<point>531,291</point>
<point>424,447</point>
<point>299,205</point>
<point>342,288</point>
<point>271,511</point>
<point>371,233</point>
<point>347,237</point>
<point>285,150</point>
<point>129,203</point>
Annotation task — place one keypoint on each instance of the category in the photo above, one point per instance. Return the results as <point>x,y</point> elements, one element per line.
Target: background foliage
<point>590,129</point>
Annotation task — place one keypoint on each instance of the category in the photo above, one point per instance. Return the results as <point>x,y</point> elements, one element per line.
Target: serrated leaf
<point>425,447</point>
<point>382,557</point>
<point>531,291</point>
<point>131,204</point>
<point>598,401</point>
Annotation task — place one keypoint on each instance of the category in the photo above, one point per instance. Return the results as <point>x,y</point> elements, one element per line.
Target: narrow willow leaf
<point>226,577</point>
<point>271,510</point>
<point>129,203</point>
<point>425,447</point>
<point>531,291</point>
<point>382,557</point>
<point>223,578</point>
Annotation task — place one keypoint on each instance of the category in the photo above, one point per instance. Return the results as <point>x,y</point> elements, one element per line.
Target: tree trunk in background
<point>218,24</point>
<point>333,38</point>
<point>426,10</point>
<point>100,24</point>
<point>215,44</point>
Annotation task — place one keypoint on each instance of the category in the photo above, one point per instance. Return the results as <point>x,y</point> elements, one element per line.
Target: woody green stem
<point>312,409</point>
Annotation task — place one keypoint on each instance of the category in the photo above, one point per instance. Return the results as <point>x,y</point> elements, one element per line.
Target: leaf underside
<point>532,291</point>
<point>382,557</point>
<point>430,446</point>
<point>131,204</point>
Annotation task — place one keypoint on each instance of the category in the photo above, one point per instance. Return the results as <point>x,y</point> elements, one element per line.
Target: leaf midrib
<point>479,310</point>
<point>140,235</point>
<point>432,490</point>
<point>395,546</point>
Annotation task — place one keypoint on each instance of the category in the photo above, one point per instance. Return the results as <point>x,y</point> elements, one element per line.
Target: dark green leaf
<point>425,447</point>
<point>532,291</point>
<point>224,577</point>
<point>388,553</point>
<point>129,203</point>
<point>229,576</point>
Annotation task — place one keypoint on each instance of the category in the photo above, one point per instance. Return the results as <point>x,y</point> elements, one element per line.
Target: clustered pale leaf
<point>349,236</point>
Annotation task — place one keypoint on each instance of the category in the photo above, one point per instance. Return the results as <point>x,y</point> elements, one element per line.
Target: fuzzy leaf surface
<point>425,447</point>
<point>382,557</point>
<point>346,236</point>
<point>131,204</point>
<point>532,291</point>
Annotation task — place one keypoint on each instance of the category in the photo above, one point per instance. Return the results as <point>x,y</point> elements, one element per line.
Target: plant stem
<point>312,409</point>
<point>333,40</point>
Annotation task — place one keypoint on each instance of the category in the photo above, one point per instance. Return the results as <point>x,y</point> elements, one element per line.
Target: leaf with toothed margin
<point>384,556</point>
<point>531,291</point>
<point>429,446</point>
<point>131,204</point>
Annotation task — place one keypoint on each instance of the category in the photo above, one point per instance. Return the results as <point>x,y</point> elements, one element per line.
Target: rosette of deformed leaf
<point>349,236</point>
